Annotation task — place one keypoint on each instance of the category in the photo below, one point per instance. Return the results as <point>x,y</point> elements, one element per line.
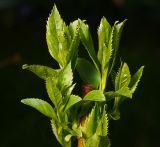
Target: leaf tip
<point>25,66</point>
<point>23,101</point>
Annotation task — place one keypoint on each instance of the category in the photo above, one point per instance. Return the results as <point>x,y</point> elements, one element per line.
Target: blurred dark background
<point>22,40</point>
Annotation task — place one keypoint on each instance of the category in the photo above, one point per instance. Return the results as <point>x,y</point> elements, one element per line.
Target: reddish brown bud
<point>86,88</point>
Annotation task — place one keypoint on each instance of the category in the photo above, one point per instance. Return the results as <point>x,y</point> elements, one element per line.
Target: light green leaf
<point>87,41</point>
<point>73,49</point>
<point>40,105</point>
<point>65,78</point>
<point>88,72</point>
<point>107,52</point>
<point>95,95</point>
<point>104,41</point>
<point>41,71</point>
<point>90,126</point>
<point>117,31</point>
<point>102,129</point>
<point>53,92</point>
<point>58,37</point>
<point>135,79</point>
<point>57,130</point>
<point>93,141</point>
<point>68,137</point>
<point>72,101</point>
<point>123,77</point>
<point>125,91</point>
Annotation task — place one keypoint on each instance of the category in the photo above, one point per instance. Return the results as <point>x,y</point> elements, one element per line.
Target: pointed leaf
<point>103,39</point>
<point>125,91</point>
<point>73,49</point>
<point>107,52</point>
<point>57,132</point>
<point>88,72</point>
<point>90,126</point>
<point>41,71</point>
<point>65,78</point>
<point>123,77</point>
<point>102,129</point>
<point>40,105</point>
<point>135,79</point>
<point>53,92</point>
<point>117,31</point>
<point>58,37</point>
<point>104,141</point>
<point>95,95</point>
<point>87,41</point>
<point>72,101</point>
<point>93,141</point>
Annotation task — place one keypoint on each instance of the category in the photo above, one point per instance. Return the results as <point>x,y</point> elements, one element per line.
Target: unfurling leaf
<point>95,95</point>
<point>41,71</point>
<point>40,105</point>
<point>135,79</point>
<point>88,72</point>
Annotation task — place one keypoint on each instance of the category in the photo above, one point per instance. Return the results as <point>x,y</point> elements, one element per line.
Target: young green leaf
<point>58,37</point>
<point>117,31</point>
<point>95,95</point>
<point>135,79</point>
<point>40,105</point>
<point>72,101</point>
<point>65,78</point>
<point>68,137</point>
<point>125,92</point>
<point>41,71</point>
<point>88,72</point>
<point>90,126</point>
<point>74,28</point>
<point>102,129</point>
<point>104,141</point>
<point>92,141</point>
<point>104,40</point>
<point>57,131</point>
<point>123,77</point>
<point>53,92</point>
<point>87,41</point>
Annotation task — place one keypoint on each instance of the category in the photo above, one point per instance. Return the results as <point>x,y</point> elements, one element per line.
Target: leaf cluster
<point>67,109</point>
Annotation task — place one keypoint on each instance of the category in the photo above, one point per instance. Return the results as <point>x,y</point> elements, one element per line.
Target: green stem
<point>103,80</point>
